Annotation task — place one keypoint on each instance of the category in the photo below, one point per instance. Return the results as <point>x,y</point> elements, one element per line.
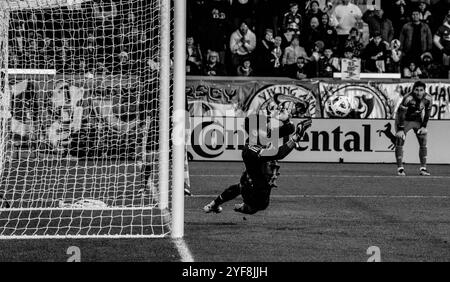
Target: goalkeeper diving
<point>260,155</point>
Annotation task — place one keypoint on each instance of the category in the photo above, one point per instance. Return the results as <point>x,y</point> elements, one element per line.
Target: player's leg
<point>399,143</point>
<point>422,138</point>
<point>229,194</point>
<point>251,208</point>
<point>255,199</point>
<point>245,183</point>
<point>247,207</point>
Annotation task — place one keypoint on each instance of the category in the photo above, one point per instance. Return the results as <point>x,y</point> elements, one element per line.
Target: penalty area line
<point>345,196</point>
<point>183,250</point>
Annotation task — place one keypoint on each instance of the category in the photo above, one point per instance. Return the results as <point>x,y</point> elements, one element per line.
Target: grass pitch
<point>319,212</point>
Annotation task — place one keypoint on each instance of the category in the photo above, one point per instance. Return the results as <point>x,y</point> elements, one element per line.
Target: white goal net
<point>81,121</point>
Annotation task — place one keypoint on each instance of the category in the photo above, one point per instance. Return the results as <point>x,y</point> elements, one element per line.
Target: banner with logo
<point>378,100</point>
<point>328,140</point>
<point>439,91</point>
<point>236,97</point>
<point>363,100</point>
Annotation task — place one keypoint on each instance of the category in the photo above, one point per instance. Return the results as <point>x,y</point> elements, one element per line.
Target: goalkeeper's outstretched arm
<point>278,153</point>
<point>286,129</point>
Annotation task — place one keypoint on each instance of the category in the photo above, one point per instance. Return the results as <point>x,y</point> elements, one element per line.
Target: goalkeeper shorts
<point>258,198</point>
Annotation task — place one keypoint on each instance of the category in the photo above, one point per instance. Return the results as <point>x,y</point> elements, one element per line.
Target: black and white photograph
<point>224,138</point>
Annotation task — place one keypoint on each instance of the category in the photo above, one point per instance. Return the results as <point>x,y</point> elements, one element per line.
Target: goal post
<point>179,118</point>
<point>90,110</point>
<point>164,112</point>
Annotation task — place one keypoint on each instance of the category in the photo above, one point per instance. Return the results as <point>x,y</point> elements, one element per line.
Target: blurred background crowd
<point>102,37</point>
<point>297,39</point>
<point>306,39</point>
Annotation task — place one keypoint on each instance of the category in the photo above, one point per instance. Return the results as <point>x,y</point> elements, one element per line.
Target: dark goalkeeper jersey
<point>259,160</point>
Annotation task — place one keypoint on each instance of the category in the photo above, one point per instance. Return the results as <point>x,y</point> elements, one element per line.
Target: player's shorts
<point>256,198</point>
<point>414,125</point>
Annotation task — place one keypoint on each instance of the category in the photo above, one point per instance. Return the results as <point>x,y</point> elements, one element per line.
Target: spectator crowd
<point>111,37</point>
<point>309,38</point>
<point>298,39</point>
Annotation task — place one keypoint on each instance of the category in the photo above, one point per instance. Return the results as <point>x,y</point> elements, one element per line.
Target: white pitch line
<point>345,196</point>
<point>183,250</point>
<point>332,176</point>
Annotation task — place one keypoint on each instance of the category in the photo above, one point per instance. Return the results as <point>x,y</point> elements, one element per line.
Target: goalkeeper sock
<point>423,156</point>
<point>399,155</point>
<point>229,194</point>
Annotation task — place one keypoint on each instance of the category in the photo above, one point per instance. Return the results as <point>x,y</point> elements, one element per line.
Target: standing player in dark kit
<point>260,159</point>
<point>413,113</point>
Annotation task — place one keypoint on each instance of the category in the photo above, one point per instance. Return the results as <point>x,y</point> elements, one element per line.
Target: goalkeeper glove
<point>300,109</point>
<point>301,129</point>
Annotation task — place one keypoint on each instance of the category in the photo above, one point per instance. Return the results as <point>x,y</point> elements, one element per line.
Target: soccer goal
<point>91,105</point>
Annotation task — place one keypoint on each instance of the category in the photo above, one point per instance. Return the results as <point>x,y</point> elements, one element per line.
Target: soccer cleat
<point>401,171</point>
<point>424,171</point>
<point>212,207</point>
